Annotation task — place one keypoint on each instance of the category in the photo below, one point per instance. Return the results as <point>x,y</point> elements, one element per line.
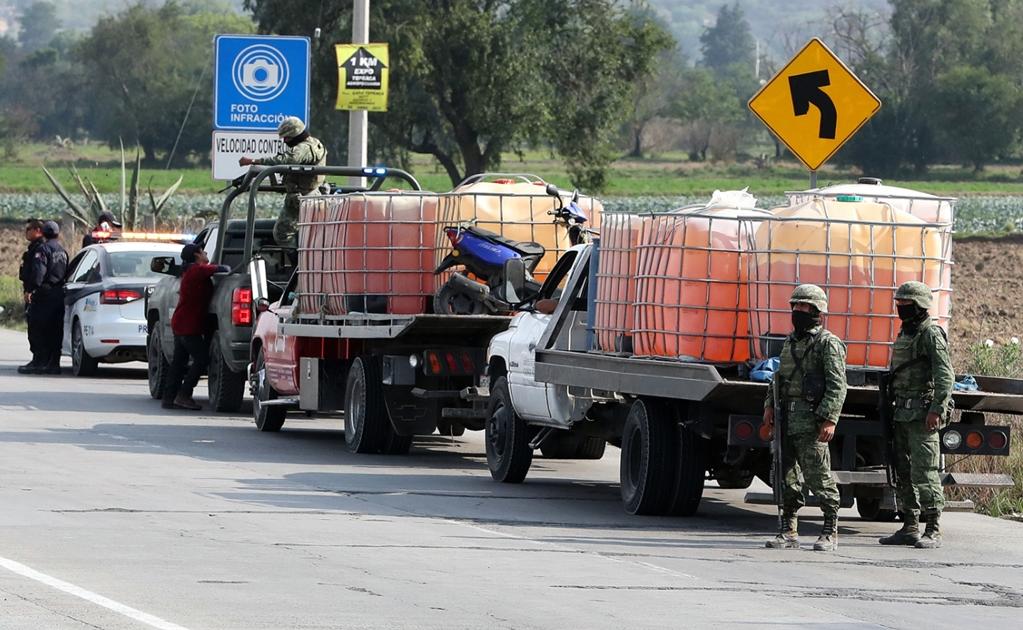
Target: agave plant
<point>88,214</point>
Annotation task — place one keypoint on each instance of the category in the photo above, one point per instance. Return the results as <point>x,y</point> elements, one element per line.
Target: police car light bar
<point>105,235</point>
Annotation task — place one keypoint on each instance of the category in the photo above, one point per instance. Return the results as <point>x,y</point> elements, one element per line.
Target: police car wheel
<point>81,363</point>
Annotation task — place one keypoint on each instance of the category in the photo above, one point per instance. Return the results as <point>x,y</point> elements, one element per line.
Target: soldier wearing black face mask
<point>921,381</point>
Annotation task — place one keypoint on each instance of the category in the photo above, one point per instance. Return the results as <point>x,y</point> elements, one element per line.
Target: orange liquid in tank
<point>692,297</point>
<point>616,281</point>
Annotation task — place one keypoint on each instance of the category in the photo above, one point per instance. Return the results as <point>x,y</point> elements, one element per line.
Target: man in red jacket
<point>190,328</point>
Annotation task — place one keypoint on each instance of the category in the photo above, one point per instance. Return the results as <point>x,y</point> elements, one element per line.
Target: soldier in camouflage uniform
<point>302,149</point>
<point>921,382</point>
<point>812,387</point>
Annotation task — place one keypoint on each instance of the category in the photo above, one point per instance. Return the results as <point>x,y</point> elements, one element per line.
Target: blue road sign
<point>258,81</point>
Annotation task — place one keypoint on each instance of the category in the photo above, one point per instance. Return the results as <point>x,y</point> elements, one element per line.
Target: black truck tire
<point>868,506</point>
<point>690,473</point>
<point>226,387</point>
<point>366,415</point>
<point>81,363</point>
<point>157,365</point>
<point>648,472</point>
<point>268,418</point>
<point>395,444</point>
<point>509,455</point>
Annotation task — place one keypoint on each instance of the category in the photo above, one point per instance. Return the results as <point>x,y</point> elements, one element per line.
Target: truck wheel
<point>591,448</point>
<point>227,387</point>
<point>690,473</point>
<point>647,471</point>
<point>269,418</point>
<point>395,444</point>
<point>81,363</point>
<point>869,508</point>
<point>157,368</point>
<point>365,411</point>
<point>507,437</point>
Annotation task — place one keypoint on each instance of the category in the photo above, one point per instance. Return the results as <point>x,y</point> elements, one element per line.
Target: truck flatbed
<point>398,327</point>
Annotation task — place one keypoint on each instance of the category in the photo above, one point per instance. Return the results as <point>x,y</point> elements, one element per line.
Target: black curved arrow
<point>806,90</point>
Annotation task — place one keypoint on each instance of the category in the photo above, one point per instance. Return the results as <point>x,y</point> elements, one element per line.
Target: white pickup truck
<point>680,422</point>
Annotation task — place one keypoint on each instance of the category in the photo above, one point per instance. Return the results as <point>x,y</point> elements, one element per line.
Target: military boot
<point>788,535</point>
<point>828,540</point>
<point>908,535</point>
<point>932,533</point>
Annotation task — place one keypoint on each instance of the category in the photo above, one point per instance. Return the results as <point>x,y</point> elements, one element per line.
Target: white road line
<point>89,596</point>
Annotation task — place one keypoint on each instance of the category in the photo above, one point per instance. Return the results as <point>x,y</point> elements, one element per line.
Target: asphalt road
<point>115,513</point>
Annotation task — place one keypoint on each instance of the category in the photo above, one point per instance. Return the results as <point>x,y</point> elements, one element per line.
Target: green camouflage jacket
<point>822,355</point>
<point>310,152</point>
<point>925,386</point>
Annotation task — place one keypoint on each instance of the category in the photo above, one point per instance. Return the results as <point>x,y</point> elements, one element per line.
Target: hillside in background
<point>780,25</point>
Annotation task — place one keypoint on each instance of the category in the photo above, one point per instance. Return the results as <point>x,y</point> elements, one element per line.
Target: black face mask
<point>803,321</point>
<point>908,312</point>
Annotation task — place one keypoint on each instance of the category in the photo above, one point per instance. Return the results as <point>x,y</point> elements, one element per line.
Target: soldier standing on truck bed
<point>921,382</point>
<point>812,387</point>
<point>302,149</point>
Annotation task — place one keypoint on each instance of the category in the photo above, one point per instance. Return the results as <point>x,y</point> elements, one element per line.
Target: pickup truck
<point>232,313</point>
<point>681,422</point>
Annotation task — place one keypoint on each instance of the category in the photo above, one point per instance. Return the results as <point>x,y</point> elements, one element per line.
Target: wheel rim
<point>261,391</point>
<point>635,456</point>
<point>153,359</point>
<point>355,406</point>
<point>498,434</point>
<point>76,347</point>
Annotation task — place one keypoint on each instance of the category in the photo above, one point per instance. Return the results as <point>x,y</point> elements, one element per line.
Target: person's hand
<point>244,161</point>
<point>827,432</point>
<point>933,421</point>
<point>769,420</point>
<point>28,298</point>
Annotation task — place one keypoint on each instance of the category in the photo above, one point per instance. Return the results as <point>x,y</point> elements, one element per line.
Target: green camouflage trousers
<point>917,456</point>
<point>803,453</point>
<point>286,227</point>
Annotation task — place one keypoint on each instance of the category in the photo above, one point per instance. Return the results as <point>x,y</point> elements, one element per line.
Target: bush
<point>13,314</point>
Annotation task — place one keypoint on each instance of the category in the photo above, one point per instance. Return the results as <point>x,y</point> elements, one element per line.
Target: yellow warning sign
<point>362,76</point>
<point>814,104</point>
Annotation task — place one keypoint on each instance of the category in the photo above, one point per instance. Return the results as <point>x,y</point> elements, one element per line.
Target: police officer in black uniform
<point>46,316</point>
<point>34,236</point>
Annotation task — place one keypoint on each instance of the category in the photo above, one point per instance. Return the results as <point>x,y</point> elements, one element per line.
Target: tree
<point>729,41</point>
<point>38,24</point>
<point>706,106</point>
<point>145,66</point>
<point>978,114</point>
<point>653,97</point>
<point>472,79</point>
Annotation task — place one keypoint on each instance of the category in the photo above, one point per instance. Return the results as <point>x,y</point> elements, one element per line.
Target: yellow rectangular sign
<point>362,76</point>
<point>814,104</point>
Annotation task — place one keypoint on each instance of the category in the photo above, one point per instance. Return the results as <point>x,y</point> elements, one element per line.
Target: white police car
<point>104,297</point>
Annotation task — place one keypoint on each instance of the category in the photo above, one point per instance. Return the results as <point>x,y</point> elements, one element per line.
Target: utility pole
<point>358,119</point>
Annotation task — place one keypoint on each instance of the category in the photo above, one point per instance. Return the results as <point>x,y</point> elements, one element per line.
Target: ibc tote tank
<point>859,252</point>
<point>616,281</point>
<point>517,210</point>
<point>691,296</point>
<point>367,252</point>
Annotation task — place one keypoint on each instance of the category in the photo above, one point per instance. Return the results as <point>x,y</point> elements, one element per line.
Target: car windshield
<point>133,264</point>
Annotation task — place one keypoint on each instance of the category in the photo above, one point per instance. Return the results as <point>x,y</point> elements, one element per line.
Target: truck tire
<point>507,437</point>
<point>81,363</point>
<point>157,368</point>
<point>395,444</point>
<point>365,411</point>
<point>690,473</point>
<point>648,472</point>
<point>226,387</point>
<point>868,506</point>
<point>270,418</point>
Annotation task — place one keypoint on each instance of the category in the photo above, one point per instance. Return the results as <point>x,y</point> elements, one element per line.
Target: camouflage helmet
<point>290,127</point>
<point>916,292</point>
<point>810,294</point>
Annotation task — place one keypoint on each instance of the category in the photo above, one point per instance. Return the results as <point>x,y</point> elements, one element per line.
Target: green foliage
<point>977,113</point>
<point>12,303</point>
<point>38,25</point>
<point>729,41</point>
<point>992,359</point>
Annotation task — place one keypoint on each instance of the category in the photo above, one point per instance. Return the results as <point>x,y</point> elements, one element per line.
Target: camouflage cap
<point>290,127</point>
<point>916,292</point>
<point>810,294</point>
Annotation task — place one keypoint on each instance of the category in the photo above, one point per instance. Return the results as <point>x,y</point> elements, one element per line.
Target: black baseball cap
<point>50,229</point>
<point>108,217</point>
<point>188,253</point>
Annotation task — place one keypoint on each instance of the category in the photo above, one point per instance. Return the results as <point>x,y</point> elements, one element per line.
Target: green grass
<point>13,315</point>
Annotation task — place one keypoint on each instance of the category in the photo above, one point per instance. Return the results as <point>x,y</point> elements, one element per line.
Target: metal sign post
<point>358,119</point>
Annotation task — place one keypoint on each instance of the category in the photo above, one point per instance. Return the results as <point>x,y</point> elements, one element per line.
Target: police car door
<point>81,294</point>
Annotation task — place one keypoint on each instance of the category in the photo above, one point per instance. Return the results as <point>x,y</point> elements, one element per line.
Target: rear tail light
<point>241,307</point>
<point>975,439</point>
<point>747,431</point>
<point>119,296</point>
<point>449,358</point>
<point>433,361</point>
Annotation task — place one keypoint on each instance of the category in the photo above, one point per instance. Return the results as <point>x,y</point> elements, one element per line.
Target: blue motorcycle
<point>484,254</point>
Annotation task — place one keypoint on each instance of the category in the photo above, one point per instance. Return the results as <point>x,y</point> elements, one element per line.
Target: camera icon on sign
<point>261,74</point>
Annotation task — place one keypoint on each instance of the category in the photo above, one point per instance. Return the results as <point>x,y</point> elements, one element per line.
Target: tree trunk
<point>450,167</point>
<point>637,141</point>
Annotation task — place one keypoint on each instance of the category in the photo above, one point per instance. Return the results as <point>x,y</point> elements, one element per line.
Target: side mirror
<point>514,280</point>
<point>553,191</point>
<point>262,305</point>
<point>162,264</point>
<point>257,279</point>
